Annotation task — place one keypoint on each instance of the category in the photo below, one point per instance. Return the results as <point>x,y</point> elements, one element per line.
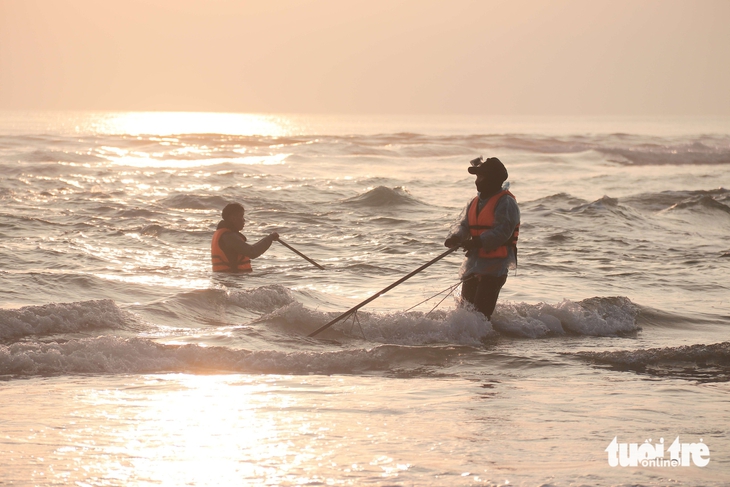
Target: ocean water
<point>124,361</point>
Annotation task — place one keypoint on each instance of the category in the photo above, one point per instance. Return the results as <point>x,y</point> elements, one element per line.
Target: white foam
<point>458,326</point>
<point>92,355</point>
<point>593,317</point>
<point>61,318</point>
<point>463,326</point>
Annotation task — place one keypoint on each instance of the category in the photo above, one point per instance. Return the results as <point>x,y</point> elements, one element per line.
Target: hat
<point>492,167</point>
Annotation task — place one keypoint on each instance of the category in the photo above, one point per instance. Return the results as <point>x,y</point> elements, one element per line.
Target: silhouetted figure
<point>229,251</point>
<point>488,233</point>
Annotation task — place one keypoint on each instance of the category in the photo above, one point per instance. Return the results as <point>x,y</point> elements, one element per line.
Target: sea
<point>124,361</point>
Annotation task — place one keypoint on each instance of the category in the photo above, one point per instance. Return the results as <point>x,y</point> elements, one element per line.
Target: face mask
<point>483,186</point>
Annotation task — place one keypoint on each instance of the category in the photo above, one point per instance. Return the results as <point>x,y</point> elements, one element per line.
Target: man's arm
<point>232,243</point>
<point>459,232</point>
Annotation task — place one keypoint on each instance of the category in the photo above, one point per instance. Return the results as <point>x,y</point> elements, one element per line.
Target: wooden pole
<point>380,293</point>
<point>299,253</point>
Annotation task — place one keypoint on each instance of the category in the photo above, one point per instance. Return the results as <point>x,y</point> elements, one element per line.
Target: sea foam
<point>593,317</point>
<point>457,327</point>
<point>62,318</point>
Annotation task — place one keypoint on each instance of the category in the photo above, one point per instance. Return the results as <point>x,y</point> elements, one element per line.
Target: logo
<point>649,454</point>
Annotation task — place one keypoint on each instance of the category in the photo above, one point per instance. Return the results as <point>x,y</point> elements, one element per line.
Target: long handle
<point>299,254</point>
<point>379,293</point>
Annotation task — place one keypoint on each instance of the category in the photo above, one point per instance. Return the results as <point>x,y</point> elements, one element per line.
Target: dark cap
<point>231,209</point>
<point>492,167</point>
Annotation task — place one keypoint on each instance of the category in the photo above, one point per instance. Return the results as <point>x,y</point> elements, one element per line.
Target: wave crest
<point>598,316</point>
<point>112,355</point>
<point>195,202</point>
<point>62,318</point>
<point>706,363</point>
<point>382,196</point>
<point>456,327</point>
<point>264,299</point>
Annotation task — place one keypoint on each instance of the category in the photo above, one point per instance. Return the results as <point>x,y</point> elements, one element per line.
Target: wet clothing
<point>485,269</point>
<point>236,253</point>
<point>227,262</point>
<point>481,217</point>
<point>506,220</point>
<point>482,292</point>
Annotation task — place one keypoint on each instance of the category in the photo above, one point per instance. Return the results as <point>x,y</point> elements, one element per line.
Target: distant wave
<point>692,154</point>
<point>194,202</point>
<point>702,203</point>
<point>59,156</point>
<point>698,201</point>
<point>713,203</point>
<point>606,207</point>
<point>619,148</point>
<point>706,363</point>
<point>666,199</point>
<point>62,318</point>
<point>606,202</point>
<point>628,149</point>
<point>382,196</point>
<point>563,200</point>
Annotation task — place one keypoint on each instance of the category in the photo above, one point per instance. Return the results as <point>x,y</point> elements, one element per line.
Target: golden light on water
<point>195,420</point>
<point>145,161</point>
<point>163,131</point>
<point>174,123</point>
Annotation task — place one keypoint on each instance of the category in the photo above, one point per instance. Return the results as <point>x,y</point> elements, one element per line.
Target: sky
<point>516,57</point>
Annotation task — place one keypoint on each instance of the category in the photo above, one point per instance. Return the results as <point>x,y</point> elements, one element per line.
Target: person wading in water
<point>229,251</point>
<point>488,233</point>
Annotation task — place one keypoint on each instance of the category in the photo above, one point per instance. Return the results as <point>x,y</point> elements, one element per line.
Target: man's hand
<point>452,241</point>
<point>274,236</point>
<point>472,243</point>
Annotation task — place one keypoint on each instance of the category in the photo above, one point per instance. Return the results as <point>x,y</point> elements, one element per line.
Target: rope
<point>450,289</point>
<point>442,300</point>
<point>355,319</point>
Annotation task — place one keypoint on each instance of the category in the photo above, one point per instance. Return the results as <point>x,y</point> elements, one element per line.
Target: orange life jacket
<point>478,223</point>
<point>220,260</point>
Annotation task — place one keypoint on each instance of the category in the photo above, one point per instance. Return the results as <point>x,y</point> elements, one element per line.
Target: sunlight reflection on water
<point>170,123</point>
<point>181,429</point>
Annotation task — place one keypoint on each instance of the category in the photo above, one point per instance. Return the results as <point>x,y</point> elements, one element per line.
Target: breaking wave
<point>111,355</point>
<point>455,327</point>
<point>615,316</point>
<point>62,318</point>
<point>599,316</point>
<point>705,363</point>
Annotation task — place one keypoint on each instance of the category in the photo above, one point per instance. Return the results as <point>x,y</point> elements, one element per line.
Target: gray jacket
<point>506,218</point>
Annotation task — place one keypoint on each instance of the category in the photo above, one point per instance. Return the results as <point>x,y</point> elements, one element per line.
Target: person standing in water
<point>229,251</point>
<point>488,233</point>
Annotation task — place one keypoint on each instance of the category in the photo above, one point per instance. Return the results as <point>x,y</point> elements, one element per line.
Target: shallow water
<point>125,362</point>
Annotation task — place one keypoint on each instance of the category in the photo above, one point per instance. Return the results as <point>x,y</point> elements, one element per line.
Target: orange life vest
<point>478,223</point>
<point>220,260</point>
